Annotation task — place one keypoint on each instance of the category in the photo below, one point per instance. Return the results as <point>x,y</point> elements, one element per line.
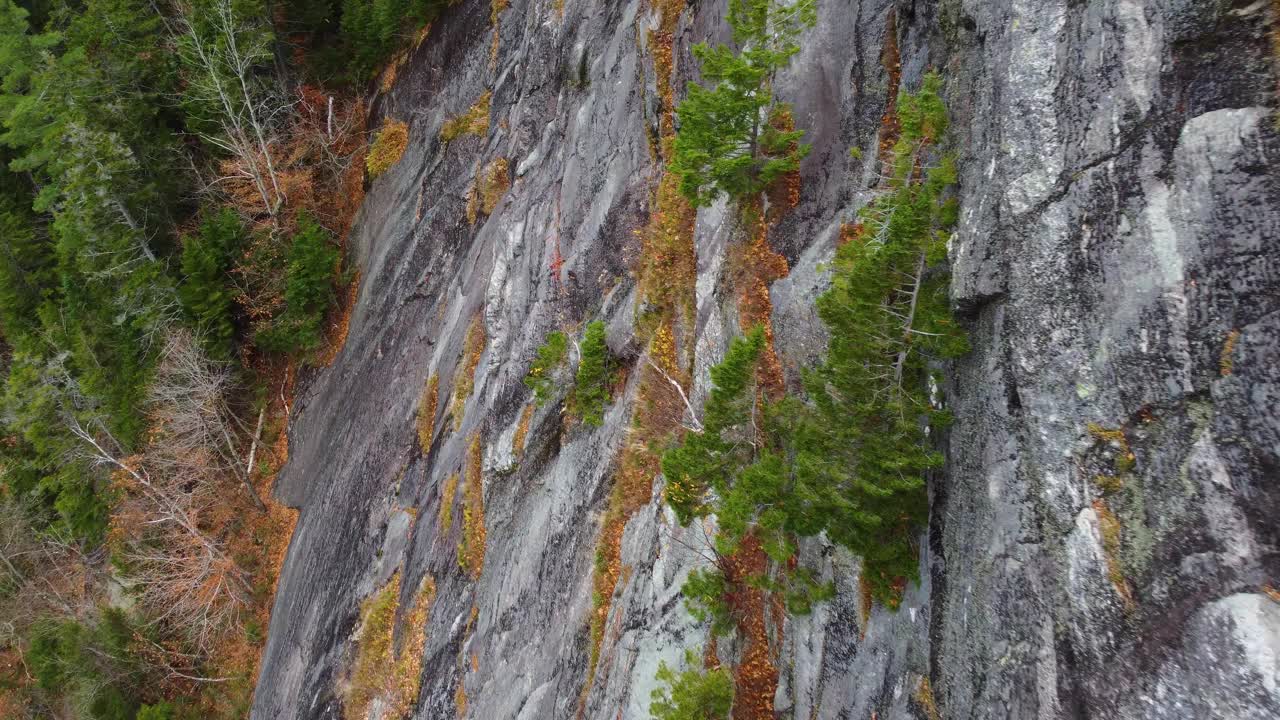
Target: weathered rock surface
<point>1117,264</point>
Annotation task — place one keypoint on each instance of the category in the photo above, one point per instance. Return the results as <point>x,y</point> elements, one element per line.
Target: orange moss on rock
<point>668,267</point>
<point>388,147</point>
<point>472,546</point>
<point>473,203</point>
<point>460,699</point>
<point>465,378</point>
<point>427,404</point>
<point>386,671</point>
<point>1226,361</point>
<point>924,698</point>
<point>407,674</point>
<point>522,431</point>
<point>632,488</point>
<point>1110,530</point>
<point>475,121</point>
<point>447,493</point>
<point>496,182</point>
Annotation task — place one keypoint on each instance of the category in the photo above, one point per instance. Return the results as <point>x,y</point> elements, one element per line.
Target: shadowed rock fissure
<point>1120,221</point>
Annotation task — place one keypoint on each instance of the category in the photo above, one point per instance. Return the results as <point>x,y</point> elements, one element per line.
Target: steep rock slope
<point>1116,264</point>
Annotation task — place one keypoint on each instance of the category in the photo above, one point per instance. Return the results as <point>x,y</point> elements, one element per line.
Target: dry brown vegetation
<point>196,515</point>
<point>1226,362</point>
<point>381,670</point>
<point>164,525</point>
<point>522,431</point>
<point>472,545</point>
<point>753,267</point>
<point>474,121</point>
<point>427,403</point>
<point>666,273</point>
<point>924,698</point>
<point>388,147</point>
<point>755,678</point>
<point>320,168</point>
<point>865,601</point>
<point>1109,529</point>
<point>667,269</point>
<point>890,125</point>
<point>497,180</point>
<point>318,165</point>
<point>655,420</point>
<point>661,43</point>
<point>1270,591</point>
<point>447,494</point>
<point>337,324</point>
<point>465,377</point>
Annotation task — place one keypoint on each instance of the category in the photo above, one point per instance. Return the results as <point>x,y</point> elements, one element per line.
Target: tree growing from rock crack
<point>727,143</point>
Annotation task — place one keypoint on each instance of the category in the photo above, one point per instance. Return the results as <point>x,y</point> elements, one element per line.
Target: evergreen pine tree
<point>692,694</point>
<point>308,291</point>
<point>862,454</point>
<point>550,355</point>
<point>726,143</point>
<point>205,291</point>
<point>591,384</point>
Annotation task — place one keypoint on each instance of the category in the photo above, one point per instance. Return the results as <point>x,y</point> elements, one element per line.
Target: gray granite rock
<point>1116,264</point>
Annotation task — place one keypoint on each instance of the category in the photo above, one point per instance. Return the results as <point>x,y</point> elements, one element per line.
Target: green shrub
<point>550,355</point>
<point>692,694</point>
<point>591,385</point>
<point>160,711</point>
<point>205,292</point>
<point>110,703</point>
<point>309,289</point>
<point>704,596</point>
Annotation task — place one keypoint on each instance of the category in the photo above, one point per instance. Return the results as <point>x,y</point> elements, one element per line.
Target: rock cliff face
<point>1103,539</point>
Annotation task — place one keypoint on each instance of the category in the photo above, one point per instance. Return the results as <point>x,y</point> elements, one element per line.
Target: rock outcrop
<point>1103,539</point>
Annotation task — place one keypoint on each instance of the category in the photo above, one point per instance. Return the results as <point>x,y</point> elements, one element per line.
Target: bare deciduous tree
<point>225,53</point>
<point>180,571</point>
